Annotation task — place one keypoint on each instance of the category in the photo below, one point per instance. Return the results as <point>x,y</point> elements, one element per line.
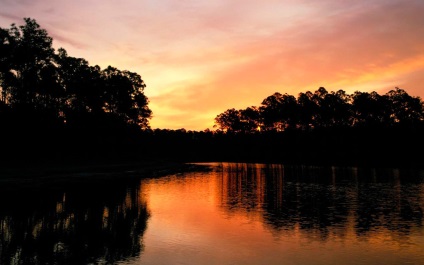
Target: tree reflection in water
<point>325,200</point>
<point>97,223</point>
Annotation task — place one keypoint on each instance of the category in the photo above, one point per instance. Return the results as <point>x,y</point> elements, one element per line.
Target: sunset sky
<point>200,58</point>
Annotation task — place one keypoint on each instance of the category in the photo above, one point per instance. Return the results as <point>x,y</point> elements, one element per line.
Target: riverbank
<point>52,175</point>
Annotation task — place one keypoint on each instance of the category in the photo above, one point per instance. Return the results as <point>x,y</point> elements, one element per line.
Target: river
<point>235,213</point>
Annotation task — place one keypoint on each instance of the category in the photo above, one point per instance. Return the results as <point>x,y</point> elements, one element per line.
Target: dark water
<point>234,214</point>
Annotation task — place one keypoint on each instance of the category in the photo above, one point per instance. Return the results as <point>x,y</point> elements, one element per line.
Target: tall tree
<point>279,112</point>
<point>308,110</point>
<point>36,81</point>
<point>229,121</point>
<point>370,109</point>
<point>124,96</point>
<point>405,109</point>
<point>28,65</point>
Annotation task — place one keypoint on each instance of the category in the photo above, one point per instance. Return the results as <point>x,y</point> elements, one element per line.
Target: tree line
<point>54,108</point>
<point>58,106</point>
<point>323,109</point>
<point>37,82</point>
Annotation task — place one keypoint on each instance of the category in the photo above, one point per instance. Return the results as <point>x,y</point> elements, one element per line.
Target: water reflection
<point>97,223</point>
<point>324,200</point>
<point>234,214</point>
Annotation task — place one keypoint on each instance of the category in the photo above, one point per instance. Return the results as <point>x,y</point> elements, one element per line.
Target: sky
<point>199,58</point>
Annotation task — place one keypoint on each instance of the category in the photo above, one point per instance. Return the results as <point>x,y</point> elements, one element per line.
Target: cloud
<point>66,41</point>
<point>368,48</point>
<point>10,17</point>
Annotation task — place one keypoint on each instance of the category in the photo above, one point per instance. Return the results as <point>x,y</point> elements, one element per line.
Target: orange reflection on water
<point>273,214</point>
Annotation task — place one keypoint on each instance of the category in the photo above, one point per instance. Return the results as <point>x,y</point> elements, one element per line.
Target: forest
<point>323,109</point>
<point>56,108</point>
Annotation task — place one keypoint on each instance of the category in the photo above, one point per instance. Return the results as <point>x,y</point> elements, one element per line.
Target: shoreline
<point>73,174</point>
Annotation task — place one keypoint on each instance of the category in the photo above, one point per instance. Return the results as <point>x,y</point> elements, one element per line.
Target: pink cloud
<point>365,42</point>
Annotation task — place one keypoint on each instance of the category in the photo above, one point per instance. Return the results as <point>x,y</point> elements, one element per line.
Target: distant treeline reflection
<point>91,224</point>
<point>323,199</point>
<point>55,108</point>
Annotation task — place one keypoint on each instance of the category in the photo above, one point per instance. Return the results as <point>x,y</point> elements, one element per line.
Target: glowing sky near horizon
<point>200,58</point>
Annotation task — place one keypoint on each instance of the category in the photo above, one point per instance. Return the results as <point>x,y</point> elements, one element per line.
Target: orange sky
<point>199,58</point>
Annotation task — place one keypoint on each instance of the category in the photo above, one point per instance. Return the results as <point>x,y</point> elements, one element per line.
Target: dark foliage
<point>57,108</point>
<point>323,109</point>
<point>54,104</point>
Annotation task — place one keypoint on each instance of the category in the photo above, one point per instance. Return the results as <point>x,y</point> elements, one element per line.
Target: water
<point>234,214</point>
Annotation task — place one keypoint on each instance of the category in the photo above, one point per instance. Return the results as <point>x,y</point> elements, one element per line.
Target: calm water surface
<point>234,214</point>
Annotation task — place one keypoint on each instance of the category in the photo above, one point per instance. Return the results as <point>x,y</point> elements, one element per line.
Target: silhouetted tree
<point>336,109</point>
<point>370,109</point>
<point>124,96</point>
<point>323,109</point>
<point>328,107</point>
<point>250,119</point>
<point>229,121</point>
<point>82,84</point>
<point>308,110</point>
<point>279,112</point>
<point>49,99</point>
<point>35,80</point>
<point>29,59</point>
<point>405,110</point>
